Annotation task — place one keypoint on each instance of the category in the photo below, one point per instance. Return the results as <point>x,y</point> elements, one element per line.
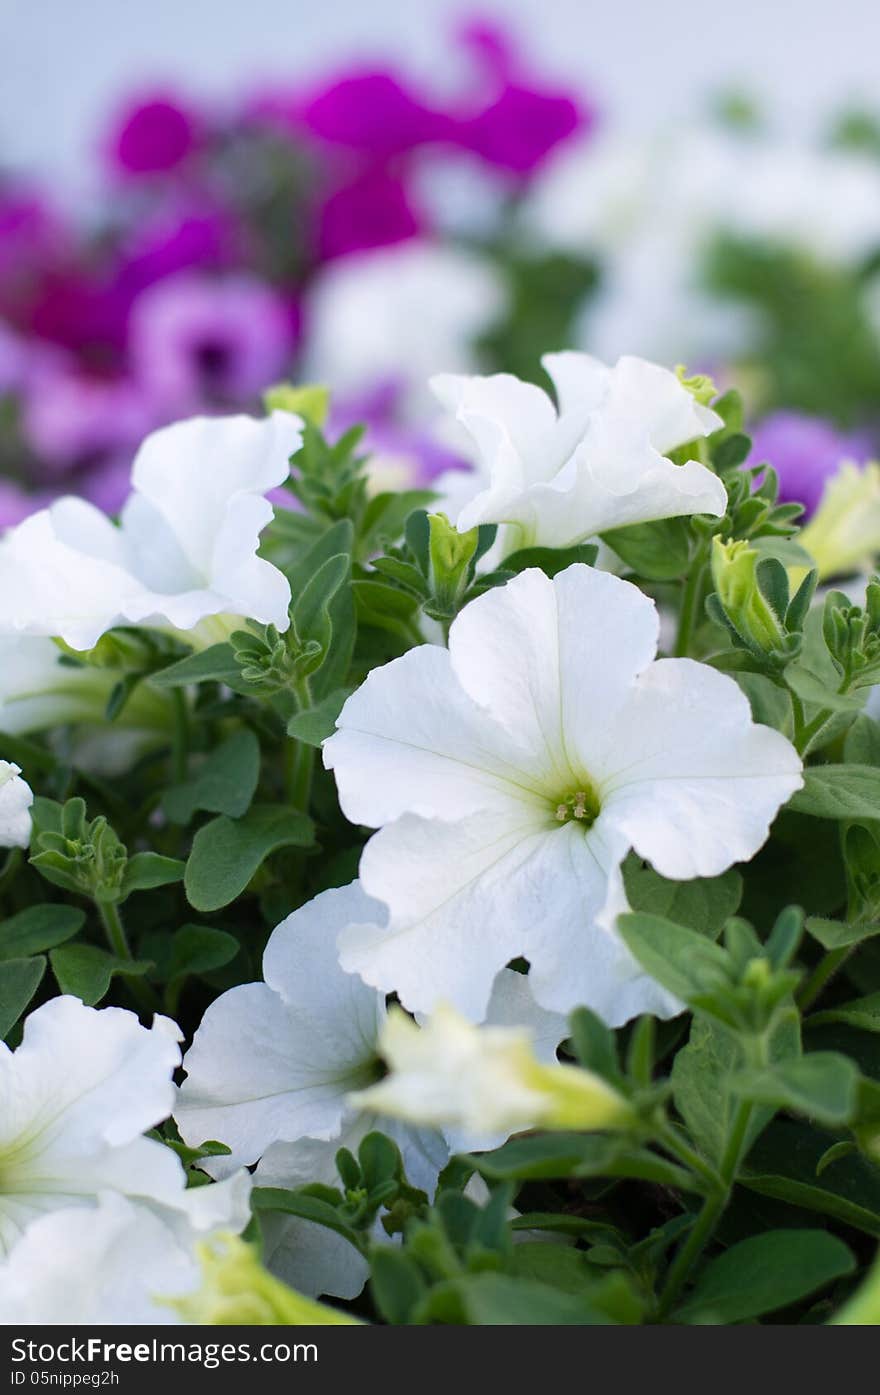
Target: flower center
<point>581,805</point>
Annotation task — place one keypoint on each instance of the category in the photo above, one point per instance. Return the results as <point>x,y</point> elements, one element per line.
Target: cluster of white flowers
<point>507,777</point>
<point>651,208</point>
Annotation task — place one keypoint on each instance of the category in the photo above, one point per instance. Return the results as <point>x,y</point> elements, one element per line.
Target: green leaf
<point>771,705</point>
<point>396,1284</point>
<point>783,1162</point>
<point>863,1013</point>
<point>481,1300</point>
<point>550,560</point>
<point>701,1076</point>
<point>309,1208</point>
<point>315,724</point>
<point>764,1273</point>
<point>560,1266</point>
<point>703,904</point>
<point>822,1085</point>
<point>683,960</point>
<point>836,934</point>
<point>659,551</point>
<point>146,870</point>
<point>821,693</point>
<point>551,1155</point>
<point>38,928</point>
<point>86,971</point>
<point>19,981</point>
<point>199,949</point>
<point>311,608</point>
<point>224,784</point>
<point>226,853</point>
<point>839,792</point>
<point>214,665</point>
<point>862,744</point>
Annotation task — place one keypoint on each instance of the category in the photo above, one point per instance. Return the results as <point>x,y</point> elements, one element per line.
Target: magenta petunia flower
<point>198,341</point>
<point>805,452</point>
<point>518,120</point>
<point>373,112</point>
<point>152,134</point>
<point>373,210</point>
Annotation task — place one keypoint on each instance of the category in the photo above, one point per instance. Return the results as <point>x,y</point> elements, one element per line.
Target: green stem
<point>824,970</point>
<point>118,942</point>
<point>714,1205</point>
<point>735,1144</point>
<point>299,766</point>
<point>179,735</point>
<point>690,602</point>
<point>14,859</point>
<point>299,757</point>
<point>698,1237</point>
<point>669,1138</point>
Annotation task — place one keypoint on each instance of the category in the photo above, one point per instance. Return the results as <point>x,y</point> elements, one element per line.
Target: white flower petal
<point>693,795</point>
<point>77,1267</point>
<point>186,547</point>
<point>411,738</point>
<point>600,463</point>
<point>275,1061</point>
<point>547,658</point>
<point>16,798</point>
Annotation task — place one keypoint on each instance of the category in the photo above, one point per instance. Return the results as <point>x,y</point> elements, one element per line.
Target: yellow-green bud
<point>734,573</point>
<point>236,1290</point>
<point>311,401</point>
<point>699,385</point>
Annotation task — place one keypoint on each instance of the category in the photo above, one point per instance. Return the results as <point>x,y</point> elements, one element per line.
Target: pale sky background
<point>64,61</point>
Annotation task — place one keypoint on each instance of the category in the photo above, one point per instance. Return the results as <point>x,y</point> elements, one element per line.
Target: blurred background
<point>198,200</point>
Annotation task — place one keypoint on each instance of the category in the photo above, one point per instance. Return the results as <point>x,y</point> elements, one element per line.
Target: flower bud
<point>484,1080</point>
<point>311,401</point>
<point>844,533</point>
<point>735,574</point>
<point>237,1290</point>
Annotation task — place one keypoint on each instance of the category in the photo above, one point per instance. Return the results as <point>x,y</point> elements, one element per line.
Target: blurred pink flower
<point>16,504</point>
<point>152,133</point>
<point>198,341</point>
<point>73,421</point>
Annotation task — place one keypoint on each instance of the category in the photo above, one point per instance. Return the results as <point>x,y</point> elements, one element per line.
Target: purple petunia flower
<point>805,452</point>
<point>198,341</point>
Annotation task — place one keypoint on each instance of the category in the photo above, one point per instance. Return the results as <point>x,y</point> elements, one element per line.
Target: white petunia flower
<point>185,549</point>
<point>272,1065</point>
<point>78,1094</point>
<point>510,775</point>
<point>398,314</point>
<point>16,798</point>
<point>652,210</point>
<point>448,1072</point>
<point>113,1264</point>
<point>558,477</point>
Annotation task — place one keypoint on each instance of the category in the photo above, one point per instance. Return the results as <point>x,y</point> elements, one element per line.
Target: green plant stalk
<point>823,972</point>
<point>299,757</point>
<point>179,735</point>
<point>118,942</point>
<point>716,1202</point>
<point>668,1138</point>
<point>690,602</point>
